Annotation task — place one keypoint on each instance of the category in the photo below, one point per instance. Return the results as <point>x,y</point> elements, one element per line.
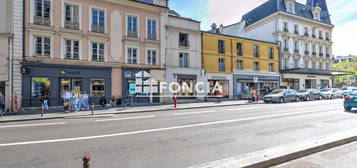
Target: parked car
<point>350,101</point>
<point>281,96</point>
<point>310,94</point>
<point>348,90</point>
<point>332,93</point>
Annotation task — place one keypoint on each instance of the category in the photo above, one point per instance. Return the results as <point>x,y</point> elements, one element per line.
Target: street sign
<point>256,79</point>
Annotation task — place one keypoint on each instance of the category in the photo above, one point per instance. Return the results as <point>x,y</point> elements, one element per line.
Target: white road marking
<point>32,125</point>
<point>198,112</point>
<point>128,118</point>
<point>155,130</point>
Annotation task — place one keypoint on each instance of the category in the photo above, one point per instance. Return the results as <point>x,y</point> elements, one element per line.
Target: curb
<point>112,113</point>
<point>284,153</point>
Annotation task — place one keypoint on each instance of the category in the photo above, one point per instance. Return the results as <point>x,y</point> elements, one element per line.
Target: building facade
<point>105,48</point>
<point>238,64</point>
<point>184,59</point>
<point>303,32</point>
<point>11,15</point>
<point>339,59</point>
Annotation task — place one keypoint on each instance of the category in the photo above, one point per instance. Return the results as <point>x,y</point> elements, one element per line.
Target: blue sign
<point>132,88</point>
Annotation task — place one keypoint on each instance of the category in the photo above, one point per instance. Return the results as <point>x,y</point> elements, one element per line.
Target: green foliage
<point>345,66</point>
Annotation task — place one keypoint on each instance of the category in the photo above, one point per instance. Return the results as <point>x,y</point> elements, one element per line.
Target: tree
<point>346,66</point>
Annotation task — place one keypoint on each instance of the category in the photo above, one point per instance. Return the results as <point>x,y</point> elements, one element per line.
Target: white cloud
<point>344,37</point>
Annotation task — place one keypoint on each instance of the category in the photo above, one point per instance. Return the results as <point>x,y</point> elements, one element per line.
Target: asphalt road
<point>168,139</point>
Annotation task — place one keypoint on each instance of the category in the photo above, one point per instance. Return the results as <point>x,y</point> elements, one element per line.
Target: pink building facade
<point>102,47</point>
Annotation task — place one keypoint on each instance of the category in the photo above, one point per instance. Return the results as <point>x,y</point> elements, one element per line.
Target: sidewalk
<point>109,112</point>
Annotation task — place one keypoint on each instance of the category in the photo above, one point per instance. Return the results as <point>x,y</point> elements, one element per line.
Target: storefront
<point>223,82</point>
<point>187,85</point>
<point>264,84</point>
<point>140,86</point>
<point>56,80</point>
<point>291,83</point>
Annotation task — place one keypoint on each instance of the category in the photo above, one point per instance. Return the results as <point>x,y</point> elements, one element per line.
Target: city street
<point>168,139</point>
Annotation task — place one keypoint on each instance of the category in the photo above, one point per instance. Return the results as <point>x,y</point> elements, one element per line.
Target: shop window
<point>183,60</point>
<point>72,49</point>
<point>97,88</point>
<point>98,52</point>
<point>41,86</point>
<point>43,46</point>
<point>132,56</point>
<point>221,47</point>
<point>222,65</point>
<point>151,57</point>
<point>240,49</point>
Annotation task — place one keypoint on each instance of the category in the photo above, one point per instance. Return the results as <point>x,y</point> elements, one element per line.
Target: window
<point>320,51</point>
<point>256,66</point>
<point>183,40</point>
<point>151,58</point>
<point>183,60</point>
<point>240,49</point>
<point>221,47</point>
<point>314,32</point>
<point>327,66</point>
<point>296,46</point>
<point>151,29</point>
<point>296,63</point>
<point>286,27</point>
<point>72,49</point>
<point>306,48</point>
<point>313,65</point>
<point>256,51</point>
<point>306,64</point>
<point>240,65</point>
<point>43,46</point>
<point>40,86</point>
<point>327,51</point>
<point>271,67</point>
<point>97,88</point>
<point>42,12</point>
<point>132,27</point>
<point>71,17</point>
<point>320,35</point>
<point>286,45</point>
<point>320,65</point>
<point>327,36</point>
<point>296,29</point>
<point>286,63</point>
<point>98,52</point>
<point>98,21</point>
<point>306,31</point>
<point>221,65</point>
<point>314,49</point>
<point>271,52</point>
<point>132,56</point>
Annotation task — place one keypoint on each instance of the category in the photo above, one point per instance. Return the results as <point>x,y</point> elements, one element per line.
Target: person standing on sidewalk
<point>256,95</point>
<point>250,96</point>
<point>2,103</point>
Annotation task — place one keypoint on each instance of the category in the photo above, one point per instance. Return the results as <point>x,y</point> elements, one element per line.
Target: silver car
<point>282,96</point>
<point>332,93</point>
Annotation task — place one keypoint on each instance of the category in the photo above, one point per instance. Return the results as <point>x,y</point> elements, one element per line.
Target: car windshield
<point>302,91</point>
<point>276,91</point>
<point>354,93</point>
<point>325,90</point>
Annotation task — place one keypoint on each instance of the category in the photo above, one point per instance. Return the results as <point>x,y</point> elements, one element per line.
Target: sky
<point>343,15</point>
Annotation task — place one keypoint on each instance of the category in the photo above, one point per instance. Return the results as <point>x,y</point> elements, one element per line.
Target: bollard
<point>42,110</point>
<point>86,160</point>
<point>175,101</point>
<point>92,108</point>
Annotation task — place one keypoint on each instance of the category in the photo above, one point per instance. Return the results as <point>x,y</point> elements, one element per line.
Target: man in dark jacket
<point>2,103</point>
<point>103,101</point>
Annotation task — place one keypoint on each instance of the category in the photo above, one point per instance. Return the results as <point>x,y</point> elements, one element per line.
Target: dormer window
<point>290,6</point>
<point>316,13</point>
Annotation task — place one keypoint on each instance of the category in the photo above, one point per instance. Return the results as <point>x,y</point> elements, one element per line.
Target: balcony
<point>307,52</point>
<point>321,54</point>
<point>42,21</point>
<point>296,32</point>
<point>98,29</point>
<point>296,51</point>
<point>327,39</point>
<point>184,44</point>
<point>327,55</point>
<point>286,30</point>
<point>314,53</point>
<point>306,34</point>
<point>151,37</point>
<point>313,36</point>
<point>71,25</point>
<point>133,34</point>
<point>321,38</point>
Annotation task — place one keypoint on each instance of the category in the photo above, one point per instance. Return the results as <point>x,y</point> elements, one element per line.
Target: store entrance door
<point>2,87</point>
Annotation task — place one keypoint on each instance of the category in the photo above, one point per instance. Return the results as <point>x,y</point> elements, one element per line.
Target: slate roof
<point>272,6</point>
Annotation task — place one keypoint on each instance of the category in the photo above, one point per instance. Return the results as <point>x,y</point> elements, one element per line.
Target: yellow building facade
<point>240,63</point>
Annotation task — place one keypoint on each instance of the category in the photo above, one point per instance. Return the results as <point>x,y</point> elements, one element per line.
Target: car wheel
<point>348,108</point>
<point>320,97</point>
<point>308,98</point>
<point>282,100</point>
<point>297,99</point>
<point>332,97</point>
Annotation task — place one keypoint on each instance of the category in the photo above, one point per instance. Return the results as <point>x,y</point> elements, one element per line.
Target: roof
<point>173,13</point>
<point>273,6</point>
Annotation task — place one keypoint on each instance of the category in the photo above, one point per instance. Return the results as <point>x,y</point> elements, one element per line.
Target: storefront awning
<point>315,72</point>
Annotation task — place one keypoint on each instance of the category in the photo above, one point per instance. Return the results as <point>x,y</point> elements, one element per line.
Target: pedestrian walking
<point>103,101</point>
<point>250,96</point>
<point>2,103</point>
<point>44,101</point>
<point>256,95</point>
